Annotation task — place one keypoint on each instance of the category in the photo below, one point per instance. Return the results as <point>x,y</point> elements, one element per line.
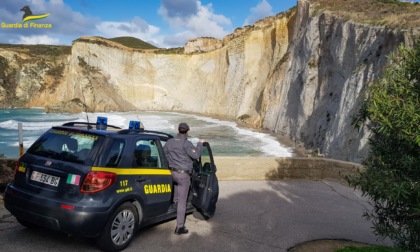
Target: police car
<point>101,181</point>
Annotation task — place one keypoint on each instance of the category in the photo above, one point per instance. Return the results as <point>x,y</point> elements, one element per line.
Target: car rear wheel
<point>120,228</point>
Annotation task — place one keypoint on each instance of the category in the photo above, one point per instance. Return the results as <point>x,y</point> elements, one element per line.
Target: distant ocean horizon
<point>226,138</point>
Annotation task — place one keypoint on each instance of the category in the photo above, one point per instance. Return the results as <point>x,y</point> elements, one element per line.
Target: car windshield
<point>67,146</point>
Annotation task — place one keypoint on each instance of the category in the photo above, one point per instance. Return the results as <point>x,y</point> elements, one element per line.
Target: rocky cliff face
<point>202,45</point>
<point>28,80</point>
<point>320,85</point>
<point>299,74</point>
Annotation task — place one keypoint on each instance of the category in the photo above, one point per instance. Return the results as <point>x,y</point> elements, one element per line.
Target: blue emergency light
<point>101,123</point>
<point>134,125</point>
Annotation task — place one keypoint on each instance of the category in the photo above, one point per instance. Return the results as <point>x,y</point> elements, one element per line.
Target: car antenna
<point>141,124</point>
<point>86,110</point>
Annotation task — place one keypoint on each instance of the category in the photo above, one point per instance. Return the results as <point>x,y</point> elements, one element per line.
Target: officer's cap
<point>183,127</point>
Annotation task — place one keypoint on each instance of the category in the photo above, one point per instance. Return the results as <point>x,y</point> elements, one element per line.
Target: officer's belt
<point>181,171</point>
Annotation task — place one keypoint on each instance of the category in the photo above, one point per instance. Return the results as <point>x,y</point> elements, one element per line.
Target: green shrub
<point>392,177</point>
<point>389,1</point>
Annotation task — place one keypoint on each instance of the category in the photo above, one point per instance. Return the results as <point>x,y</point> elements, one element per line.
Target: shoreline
<point>286,142</point>
<point>298,150</point>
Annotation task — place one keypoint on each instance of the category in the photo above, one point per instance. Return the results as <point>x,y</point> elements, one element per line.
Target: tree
<point>392,176</point>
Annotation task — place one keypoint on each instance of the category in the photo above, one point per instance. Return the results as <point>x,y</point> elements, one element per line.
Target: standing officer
<point>181,153</point>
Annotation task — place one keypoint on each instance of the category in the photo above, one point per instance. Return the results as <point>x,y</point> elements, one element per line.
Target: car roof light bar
<point>101,123</point>
<point>135,125</point>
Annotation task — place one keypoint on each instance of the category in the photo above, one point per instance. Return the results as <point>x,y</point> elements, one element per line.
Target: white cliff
<point>320,89</point>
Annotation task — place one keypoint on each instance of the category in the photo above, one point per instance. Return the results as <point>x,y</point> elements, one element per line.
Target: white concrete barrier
<point>270,168</point>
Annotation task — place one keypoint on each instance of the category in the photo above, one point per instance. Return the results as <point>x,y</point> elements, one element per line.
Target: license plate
<point>45,178</point>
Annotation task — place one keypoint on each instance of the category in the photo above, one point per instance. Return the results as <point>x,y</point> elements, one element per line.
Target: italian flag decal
<point>73,179</point>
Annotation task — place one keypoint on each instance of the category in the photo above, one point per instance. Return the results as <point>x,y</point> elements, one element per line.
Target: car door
<point>205,186</point>
<point>153,179</point>
<point>141,173</point>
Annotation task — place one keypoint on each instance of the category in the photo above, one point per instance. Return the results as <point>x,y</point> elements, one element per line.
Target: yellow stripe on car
<point>133,171</point>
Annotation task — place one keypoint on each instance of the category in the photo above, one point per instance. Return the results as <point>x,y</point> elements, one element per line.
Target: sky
<point>163,23</point>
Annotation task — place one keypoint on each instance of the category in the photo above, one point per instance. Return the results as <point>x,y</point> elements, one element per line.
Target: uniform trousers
<point>181,190</point>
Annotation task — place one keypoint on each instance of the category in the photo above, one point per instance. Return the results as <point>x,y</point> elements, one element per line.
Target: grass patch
<point>39,50</point>
<point>176,50</point>
<point>133,43</point>
<point>391,13</point>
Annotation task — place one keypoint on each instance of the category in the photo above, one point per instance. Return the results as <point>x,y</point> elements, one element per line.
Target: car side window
<point>205,161</point>
<point>113,157</point>
<point>146,154</point>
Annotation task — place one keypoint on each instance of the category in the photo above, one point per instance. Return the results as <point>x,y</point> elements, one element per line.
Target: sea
<point>226,138</point>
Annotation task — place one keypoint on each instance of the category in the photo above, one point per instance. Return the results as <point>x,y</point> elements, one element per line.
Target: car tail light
<point>68,207</point>
<point>97,181</point>
<point>17,166</point>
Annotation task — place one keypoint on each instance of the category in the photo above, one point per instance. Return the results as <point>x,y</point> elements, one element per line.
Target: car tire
<point>120,229</point>
<point>26,223</point>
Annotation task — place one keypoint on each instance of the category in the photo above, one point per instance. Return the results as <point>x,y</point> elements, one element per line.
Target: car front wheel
<point>120,229</point>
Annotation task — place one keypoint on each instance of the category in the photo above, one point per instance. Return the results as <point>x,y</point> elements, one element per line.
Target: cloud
<point>34,39</point>
<point>177,40</point>
<point>136,27</point>
<point>194,21</point>
<point>262,10</point>
<point>178,8</point>
<point>206,23</point>
<point>68,22</point>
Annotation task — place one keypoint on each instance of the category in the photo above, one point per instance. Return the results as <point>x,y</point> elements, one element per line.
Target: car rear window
<point>114,154</point>
<point>67,146</point>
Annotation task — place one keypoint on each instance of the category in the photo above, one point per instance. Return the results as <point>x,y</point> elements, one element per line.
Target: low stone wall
<point>271,168</point>
<point>254,168</point>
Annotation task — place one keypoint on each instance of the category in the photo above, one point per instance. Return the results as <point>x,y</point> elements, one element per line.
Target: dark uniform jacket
<point>180,152</point>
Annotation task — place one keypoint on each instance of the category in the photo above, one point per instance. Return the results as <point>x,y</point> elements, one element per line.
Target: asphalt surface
<point>250,216</point>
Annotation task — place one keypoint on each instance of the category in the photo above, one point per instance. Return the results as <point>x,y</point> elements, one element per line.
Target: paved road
<point>250,216</point>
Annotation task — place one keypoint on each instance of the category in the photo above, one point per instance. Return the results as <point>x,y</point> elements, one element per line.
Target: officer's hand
<point>202,140</point>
